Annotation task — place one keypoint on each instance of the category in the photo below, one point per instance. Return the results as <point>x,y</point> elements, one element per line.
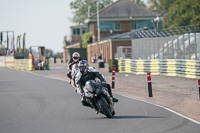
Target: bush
<point>87,38</point>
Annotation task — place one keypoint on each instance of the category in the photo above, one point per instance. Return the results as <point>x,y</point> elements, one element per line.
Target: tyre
<point>102,104</point>
<point>113,113</point>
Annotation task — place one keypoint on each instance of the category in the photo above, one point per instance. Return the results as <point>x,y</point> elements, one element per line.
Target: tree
<point>87,39</point>
<point>154,4</point>
<point>58,55</point>
<point>182,13</point>
<point>179,12</point>
<point>80,8</point>
<point>49,52</point>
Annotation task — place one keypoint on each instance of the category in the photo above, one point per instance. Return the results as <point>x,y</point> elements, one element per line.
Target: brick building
<point>115,21</point>
<point>75,40</point>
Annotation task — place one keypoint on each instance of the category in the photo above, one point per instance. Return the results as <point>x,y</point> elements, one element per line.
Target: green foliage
<point>58,55</point>
<point>154,4</point>
<point>86,39</point>
<point>183,13</point>
<point>139,2</point>
<point>165,4</point>
<point>80,8</point>
<point>179,12</point>
<point>49,52</point>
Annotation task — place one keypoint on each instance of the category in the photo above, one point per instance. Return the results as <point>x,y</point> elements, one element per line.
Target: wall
<point>23,64</point>
<point>107,48</point>
<point>75,39</point>
<point>125,27</point>
<point>102,47</point>
<point>66,56</point>
<point>6,61</point>
<point>116,43</point>
<point>2,61</point>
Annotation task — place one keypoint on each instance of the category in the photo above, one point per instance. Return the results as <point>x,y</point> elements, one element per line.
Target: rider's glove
<point>83,95</point>
<point>103,83</point>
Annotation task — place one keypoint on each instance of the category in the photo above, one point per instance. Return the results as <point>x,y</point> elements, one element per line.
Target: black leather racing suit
<point>91,74</point>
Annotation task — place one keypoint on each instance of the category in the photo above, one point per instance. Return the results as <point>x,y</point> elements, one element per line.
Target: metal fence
<point>177,43</point>
<point>186,46</point>
<point>124,52</point>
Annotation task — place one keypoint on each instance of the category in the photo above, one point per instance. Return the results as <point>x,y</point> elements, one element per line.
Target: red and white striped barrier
<point>199,87</point>
<point>113,77</point>
<point>149,84</point>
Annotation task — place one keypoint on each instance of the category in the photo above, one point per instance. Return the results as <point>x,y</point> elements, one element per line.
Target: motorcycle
<point>75,70</point>
<point>98,97</point>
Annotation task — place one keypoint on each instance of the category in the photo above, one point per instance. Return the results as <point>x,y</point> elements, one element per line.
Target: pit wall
<point>169,67</point>
<point>23,64</point>
<point>6,61</point>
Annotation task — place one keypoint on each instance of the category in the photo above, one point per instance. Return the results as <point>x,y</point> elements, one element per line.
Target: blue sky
<point>44,21</point>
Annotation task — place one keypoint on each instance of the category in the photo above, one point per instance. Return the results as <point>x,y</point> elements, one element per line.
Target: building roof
<point>149,33</point>
<point>159,12</point>
<point>124,9</point>
<point>78,26</point>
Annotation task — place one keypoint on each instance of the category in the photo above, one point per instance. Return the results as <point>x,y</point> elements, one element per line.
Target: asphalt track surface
<point>34,103</point>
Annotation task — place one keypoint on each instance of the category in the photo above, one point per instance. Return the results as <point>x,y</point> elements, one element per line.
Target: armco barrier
<point>155,67</point>
<point>128,66</point>
<point>26,64</point>
<point>58,61</point>
<point>23,64</point>
<point>140,66</point>
<point>169,67</point>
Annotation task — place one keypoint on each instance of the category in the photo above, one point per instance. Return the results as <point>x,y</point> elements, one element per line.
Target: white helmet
<point>75,56</point>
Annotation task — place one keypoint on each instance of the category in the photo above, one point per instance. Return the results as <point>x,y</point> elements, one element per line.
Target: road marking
<point>47,76</point>
<point>18,80</point>
<point>137,100</point>
<point>163,108</point>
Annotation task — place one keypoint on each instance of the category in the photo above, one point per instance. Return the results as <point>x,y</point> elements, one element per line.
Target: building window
<point>76,31</point>
<point>142,23</point>
<point>133,25</point>
<point>83,31</point>
<point>110,25</point>
<point>116,26</point>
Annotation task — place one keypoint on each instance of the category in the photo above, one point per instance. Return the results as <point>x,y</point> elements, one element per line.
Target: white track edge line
<point>135,99</point>
<point>166,108</point>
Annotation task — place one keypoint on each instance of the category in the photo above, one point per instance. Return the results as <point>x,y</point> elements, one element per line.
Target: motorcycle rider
<point>75,59</point>
<point>90,73</point>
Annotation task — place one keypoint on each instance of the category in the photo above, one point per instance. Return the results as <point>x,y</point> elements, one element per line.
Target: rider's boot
<point>115,99</point>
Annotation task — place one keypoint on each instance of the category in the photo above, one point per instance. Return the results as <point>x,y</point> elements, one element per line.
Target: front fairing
<point>92,88</point>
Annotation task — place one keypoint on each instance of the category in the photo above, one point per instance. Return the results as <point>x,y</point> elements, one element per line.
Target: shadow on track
<point>134,117</point>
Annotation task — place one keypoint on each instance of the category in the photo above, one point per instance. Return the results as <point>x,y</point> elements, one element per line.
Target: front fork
<point>107,96</point>
<point>92,103</point>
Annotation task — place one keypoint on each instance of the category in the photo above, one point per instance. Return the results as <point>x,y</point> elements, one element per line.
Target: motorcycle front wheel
<point>103,105</point>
